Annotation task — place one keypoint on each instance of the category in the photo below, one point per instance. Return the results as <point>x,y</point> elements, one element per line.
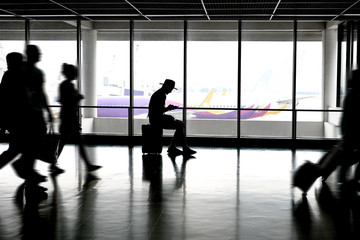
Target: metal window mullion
<point>78,61</point>
<point>185,75</point>
<point>238,122</point>
<point>340,35</point>
<point>294,113</point>
<point>27,32</point>
<point>351,55</point>
<point>348,53</point>
<point>131,87</point>
<point>357,45</point>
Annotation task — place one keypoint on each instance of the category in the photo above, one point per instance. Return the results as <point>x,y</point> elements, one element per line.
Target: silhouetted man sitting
<point>158,118</point>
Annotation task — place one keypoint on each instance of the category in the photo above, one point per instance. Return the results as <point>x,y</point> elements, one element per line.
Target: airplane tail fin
<point>207,100</point>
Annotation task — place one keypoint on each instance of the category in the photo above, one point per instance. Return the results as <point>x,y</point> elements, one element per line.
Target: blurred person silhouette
<point>13,103</point>
<point>350,127</point>
<point>158,118</point>
<point>70,128</point>
<point>34,124</point>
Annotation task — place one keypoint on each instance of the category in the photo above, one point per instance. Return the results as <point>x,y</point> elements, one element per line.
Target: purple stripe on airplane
<point>124,101</point>
<point>259,112</point>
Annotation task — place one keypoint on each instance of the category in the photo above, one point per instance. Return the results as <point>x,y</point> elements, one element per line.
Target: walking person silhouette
<point>69,115</point>
<point>13,103</point>
<point>158,118</point>
<point>35,128</point>
<point>350,128</point>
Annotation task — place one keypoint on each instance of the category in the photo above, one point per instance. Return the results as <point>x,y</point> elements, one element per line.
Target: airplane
<point>139,101</point>
<point>247,112</point>
<point>252,110</point>
<point>143,101</point>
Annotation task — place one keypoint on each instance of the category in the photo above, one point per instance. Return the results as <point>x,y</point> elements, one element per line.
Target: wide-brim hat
<point>169,83</point>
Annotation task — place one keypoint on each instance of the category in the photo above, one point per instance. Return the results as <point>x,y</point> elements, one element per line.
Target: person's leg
<point>347,161</point>
<point>89,166</point>
<point>65,134</point>
<point>64,139</point>
<point>356,156</point>
<point>9,154</point>
<point>29,138</point>
<point>24,168</point>
<point>168,122</point>
<point>35,144</point>
<point>357,173</point>
<point>343,171</point>
<point>179,137</point>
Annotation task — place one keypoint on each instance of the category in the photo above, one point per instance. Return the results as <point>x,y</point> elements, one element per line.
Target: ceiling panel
<point>183,9</point>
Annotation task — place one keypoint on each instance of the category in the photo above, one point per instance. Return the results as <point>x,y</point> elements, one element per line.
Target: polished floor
<point>222,193</point>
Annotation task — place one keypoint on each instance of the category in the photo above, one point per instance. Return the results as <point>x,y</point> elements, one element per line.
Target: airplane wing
<point>207,100</point>
<point>288,101</point>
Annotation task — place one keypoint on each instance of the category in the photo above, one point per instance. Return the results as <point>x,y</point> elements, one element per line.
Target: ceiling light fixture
<point>345,10</point>
<point>277,5</point>
<point>137,10</point>
<point>11,13</point>
<point>203,4</point>
<point>78,14</point>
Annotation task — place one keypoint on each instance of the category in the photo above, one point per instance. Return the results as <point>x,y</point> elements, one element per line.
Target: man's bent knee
<point>179,124</point>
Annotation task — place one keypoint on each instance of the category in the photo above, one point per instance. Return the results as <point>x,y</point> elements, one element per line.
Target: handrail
<point>217,108</point>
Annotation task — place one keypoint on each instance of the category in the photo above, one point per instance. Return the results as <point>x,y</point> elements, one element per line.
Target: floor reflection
<point>152,172</point>
<point>223,193</point>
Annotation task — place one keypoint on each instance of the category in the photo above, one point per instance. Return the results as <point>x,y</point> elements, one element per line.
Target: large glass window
<point>266,81</point>
<point>112,77</point>
<point>212,57</point>
<point>212,78</point>
<point>309,73</point>
<point>158,55</point>
<point>355,63</point>
<point>309,84</point>
<point>57,43</point>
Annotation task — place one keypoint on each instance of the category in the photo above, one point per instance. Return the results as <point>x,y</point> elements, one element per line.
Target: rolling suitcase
<point>305,176</point>
<point>151,139</point>
<point>331,160</point>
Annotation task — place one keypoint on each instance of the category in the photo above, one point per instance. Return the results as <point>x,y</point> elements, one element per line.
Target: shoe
<point>56,170</point>
<point>93,168</point>
<point>174,151</point>
<point>188,157</point>
<point>31,176</point>
<point>189,151</point>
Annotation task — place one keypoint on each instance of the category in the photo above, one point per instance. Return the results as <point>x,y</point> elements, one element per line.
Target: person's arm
<point>42,95</point>
<point>45,99</point>
<point>171,107</point>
